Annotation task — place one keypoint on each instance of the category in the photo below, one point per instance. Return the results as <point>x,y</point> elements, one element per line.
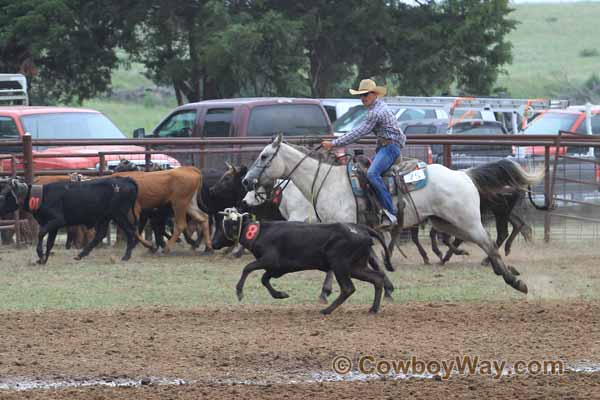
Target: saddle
<point>404,176</point>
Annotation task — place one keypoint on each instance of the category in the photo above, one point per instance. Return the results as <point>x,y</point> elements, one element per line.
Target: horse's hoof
<point>323,299</point>
<point>373,311</point>
<point>40,262</point>
<point>520,286</point>
<point>325,311</point>
<point>513,270</point>
<point>208,252</point>
<point>240,295</point>
<point>388,299</point>
<point>165,250</point>
<point>485,262</point>
<point>78,258</point>
<point>280,295</point>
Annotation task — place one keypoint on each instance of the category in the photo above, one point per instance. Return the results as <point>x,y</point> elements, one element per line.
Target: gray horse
<point>450,200</point>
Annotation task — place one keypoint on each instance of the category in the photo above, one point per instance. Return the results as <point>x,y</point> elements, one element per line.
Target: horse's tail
<point>386,259</point>
<point>491,177</point>
<point>541,208</point>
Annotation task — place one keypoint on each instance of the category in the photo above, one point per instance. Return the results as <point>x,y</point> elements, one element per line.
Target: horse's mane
<point>328,158</point>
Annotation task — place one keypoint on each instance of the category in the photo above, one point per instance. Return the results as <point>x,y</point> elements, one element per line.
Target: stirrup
<point>391,217</point>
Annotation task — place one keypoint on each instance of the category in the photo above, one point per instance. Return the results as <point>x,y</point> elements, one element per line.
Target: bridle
<point>283,182</point>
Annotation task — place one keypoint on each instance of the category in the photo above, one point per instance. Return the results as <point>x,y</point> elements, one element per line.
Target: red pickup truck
<point>68,123</point>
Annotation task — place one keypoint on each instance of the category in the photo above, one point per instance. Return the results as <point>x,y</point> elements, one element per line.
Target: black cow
<point>281,247</point>
<point>91,203</point>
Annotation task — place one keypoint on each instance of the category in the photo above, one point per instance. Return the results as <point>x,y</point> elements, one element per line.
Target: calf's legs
<point>266,281</point>
<point>101,229</point>
<point>375,277</point>
<point>253,266</point>
<point>346,289</point>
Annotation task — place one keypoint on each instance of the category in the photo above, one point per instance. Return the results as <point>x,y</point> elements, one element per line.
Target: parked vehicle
<point>335,108</point>
<point>550,122</point>
<point>244,117</point>
<point>68,123</point>
<point>356,115</point>
<point>463,156</point>
<point>13,89</point>
<point>579,167</point>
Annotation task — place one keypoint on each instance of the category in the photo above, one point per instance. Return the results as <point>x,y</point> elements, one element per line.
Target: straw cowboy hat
<point>368,85</point>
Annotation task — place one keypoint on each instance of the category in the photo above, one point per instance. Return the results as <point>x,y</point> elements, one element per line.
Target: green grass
<point>187,280</point>
<point>547,46</point>
<point>129,116</point>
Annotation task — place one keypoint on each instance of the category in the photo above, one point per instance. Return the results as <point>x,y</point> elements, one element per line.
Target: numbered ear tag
<point>34,203</point>
<point>252,231</point>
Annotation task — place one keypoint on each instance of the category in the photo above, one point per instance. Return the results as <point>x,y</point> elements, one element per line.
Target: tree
<point>461,43</point>
<point>66,48</point>
<point>211,49</point>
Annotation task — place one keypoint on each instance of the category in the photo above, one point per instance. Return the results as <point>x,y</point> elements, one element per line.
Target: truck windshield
<point>551,123</point>
<point>350,120</point>
<point>355,116</point>
<point>70,125</point>
<point>292,120</point>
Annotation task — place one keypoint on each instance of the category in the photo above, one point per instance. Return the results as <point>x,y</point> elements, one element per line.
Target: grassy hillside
<point>548,50</point>
<point>135,102</point>
<point>548,45</point>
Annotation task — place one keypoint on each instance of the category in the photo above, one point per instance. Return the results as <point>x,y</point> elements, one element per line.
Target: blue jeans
<point>384,159</point>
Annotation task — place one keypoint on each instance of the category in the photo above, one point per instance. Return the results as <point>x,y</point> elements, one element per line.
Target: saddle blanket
<point>414,175</point>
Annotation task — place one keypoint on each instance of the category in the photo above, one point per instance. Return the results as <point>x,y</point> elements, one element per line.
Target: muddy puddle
<point>25,383</point>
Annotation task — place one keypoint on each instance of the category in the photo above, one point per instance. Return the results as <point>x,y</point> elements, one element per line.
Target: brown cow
<point>178,187</point>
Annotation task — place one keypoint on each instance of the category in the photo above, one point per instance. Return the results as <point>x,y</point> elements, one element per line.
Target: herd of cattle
<point>180,199</point>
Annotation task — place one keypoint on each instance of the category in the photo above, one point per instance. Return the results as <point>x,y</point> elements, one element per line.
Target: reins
<point>284,181</point>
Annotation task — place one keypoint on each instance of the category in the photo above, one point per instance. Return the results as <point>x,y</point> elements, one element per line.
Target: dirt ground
<point>247,351</point>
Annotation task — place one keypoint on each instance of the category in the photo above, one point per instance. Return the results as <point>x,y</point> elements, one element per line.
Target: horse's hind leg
<point>476,233</point>
<point>414,235</point>
<point>519,226</point>
<point>452,247</point>
<point>433,234</point>
<point>501,231</point>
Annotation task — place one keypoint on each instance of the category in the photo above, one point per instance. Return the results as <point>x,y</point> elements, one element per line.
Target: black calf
<point>282,247</point>
<point>91,203</point>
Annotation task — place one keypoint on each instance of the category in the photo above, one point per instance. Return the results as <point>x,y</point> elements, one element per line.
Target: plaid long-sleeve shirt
<point>380,121</point>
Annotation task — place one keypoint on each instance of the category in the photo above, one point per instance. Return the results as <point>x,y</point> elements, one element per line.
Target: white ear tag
<point>234,217</point>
